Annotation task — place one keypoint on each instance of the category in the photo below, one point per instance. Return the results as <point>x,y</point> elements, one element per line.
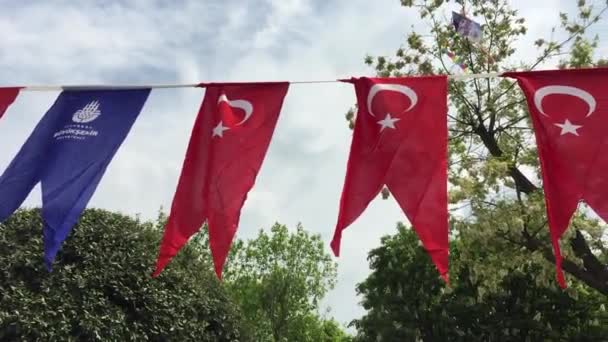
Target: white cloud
<point>284,19</point>
<point>303,173</point>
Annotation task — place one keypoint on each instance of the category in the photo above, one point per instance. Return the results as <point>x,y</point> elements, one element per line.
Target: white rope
<point>467,76</point>
<point>193,85</point>
<point>105,86</point>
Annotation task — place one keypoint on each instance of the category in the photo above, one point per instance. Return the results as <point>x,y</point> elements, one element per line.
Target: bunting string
<point>194,85</point>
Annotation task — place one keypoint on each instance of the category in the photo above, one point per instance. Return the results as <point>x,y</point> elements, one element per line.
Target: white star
<point>219,130</point>
<point>387,122</point>
<point>568,127</point>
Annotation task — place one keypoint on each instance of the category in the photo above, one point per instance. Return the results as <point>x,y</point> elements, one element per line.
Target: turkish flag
<point>400,139</point>
<point>569,111</point>
<point>7,97</point>
<point>228,143</point>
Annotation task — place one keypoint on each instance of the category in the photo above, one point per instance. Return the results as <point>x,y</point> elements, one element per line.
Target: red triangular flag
<point>569,111</point>
<point>7,97</point>
<point>229,141</point>
<point>400,139</point>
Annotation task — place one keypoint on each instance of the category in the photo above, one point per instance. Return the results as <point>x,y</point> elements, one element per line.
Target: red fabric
<point>221,166</point>
<point>411,158</point>
<point>7,97</point>
<point>571,141</point>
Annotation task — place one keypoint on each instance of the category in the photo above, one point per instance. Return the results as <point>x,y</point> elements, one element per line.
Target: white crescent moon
<point>564,90</point>
<point>242,104</point>
<point>405,90</point>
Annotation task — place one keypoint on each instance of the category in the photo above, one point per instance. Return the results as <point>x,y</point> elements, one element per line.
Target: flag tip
<point>48,264</point>
<point>446,278</point>
<point>561,280</point>
<point>559,272</point>
<point>158,269</point>
<point>218,273</point>
<point>335,247</point>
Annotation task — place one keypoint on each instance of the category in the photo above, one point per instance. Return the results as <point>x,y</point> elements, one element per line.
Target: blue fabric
<point>68,153</point>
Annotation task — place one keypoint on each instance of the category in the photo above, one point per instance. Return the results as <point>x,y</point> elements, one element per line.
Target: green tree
<point>332,332</point>
<point>101,289</point>
<point>493,166</point>
<point>278,279</point>
<point>405,300</point>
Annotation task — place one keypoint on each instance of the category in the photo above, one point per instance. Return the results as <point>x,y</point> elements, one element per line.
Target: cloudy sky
<point>188,41</point>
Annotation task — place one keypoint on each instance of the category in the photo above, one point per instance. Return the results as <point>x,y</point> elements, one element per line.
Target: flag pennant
<point>400,140</point>
<point>457,60</point>
<point>7,97</point>
<point>466,27</point>
<point>569,111</point>
<point>227,146</point>
<point>68,153</point>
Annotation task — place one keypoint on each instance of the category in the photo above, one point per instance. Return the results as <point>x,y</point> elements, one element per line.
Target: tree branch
<point>522,183</point>
<point>582,251</point>
<point>588,278</point>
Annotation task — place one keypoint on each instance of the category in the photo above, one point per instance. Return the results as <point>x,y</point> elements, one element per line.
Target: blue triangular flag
<point>68,152</point>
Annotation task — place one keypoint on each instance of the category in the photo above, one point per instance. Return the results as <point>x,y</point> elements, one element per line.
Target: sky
<point>190,41</point>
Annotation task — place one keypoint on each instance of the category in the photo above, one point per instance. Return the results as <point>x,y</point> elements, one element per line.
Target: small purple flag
<point>466,27</point>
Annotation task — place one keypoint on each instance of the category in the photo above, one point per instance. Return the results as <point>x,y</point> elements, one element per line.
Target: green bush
<point>100,287</point>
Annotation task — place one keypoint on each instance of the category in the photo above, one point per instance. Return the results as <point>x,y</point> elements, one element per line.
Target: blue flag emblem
<point>68,153</point>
